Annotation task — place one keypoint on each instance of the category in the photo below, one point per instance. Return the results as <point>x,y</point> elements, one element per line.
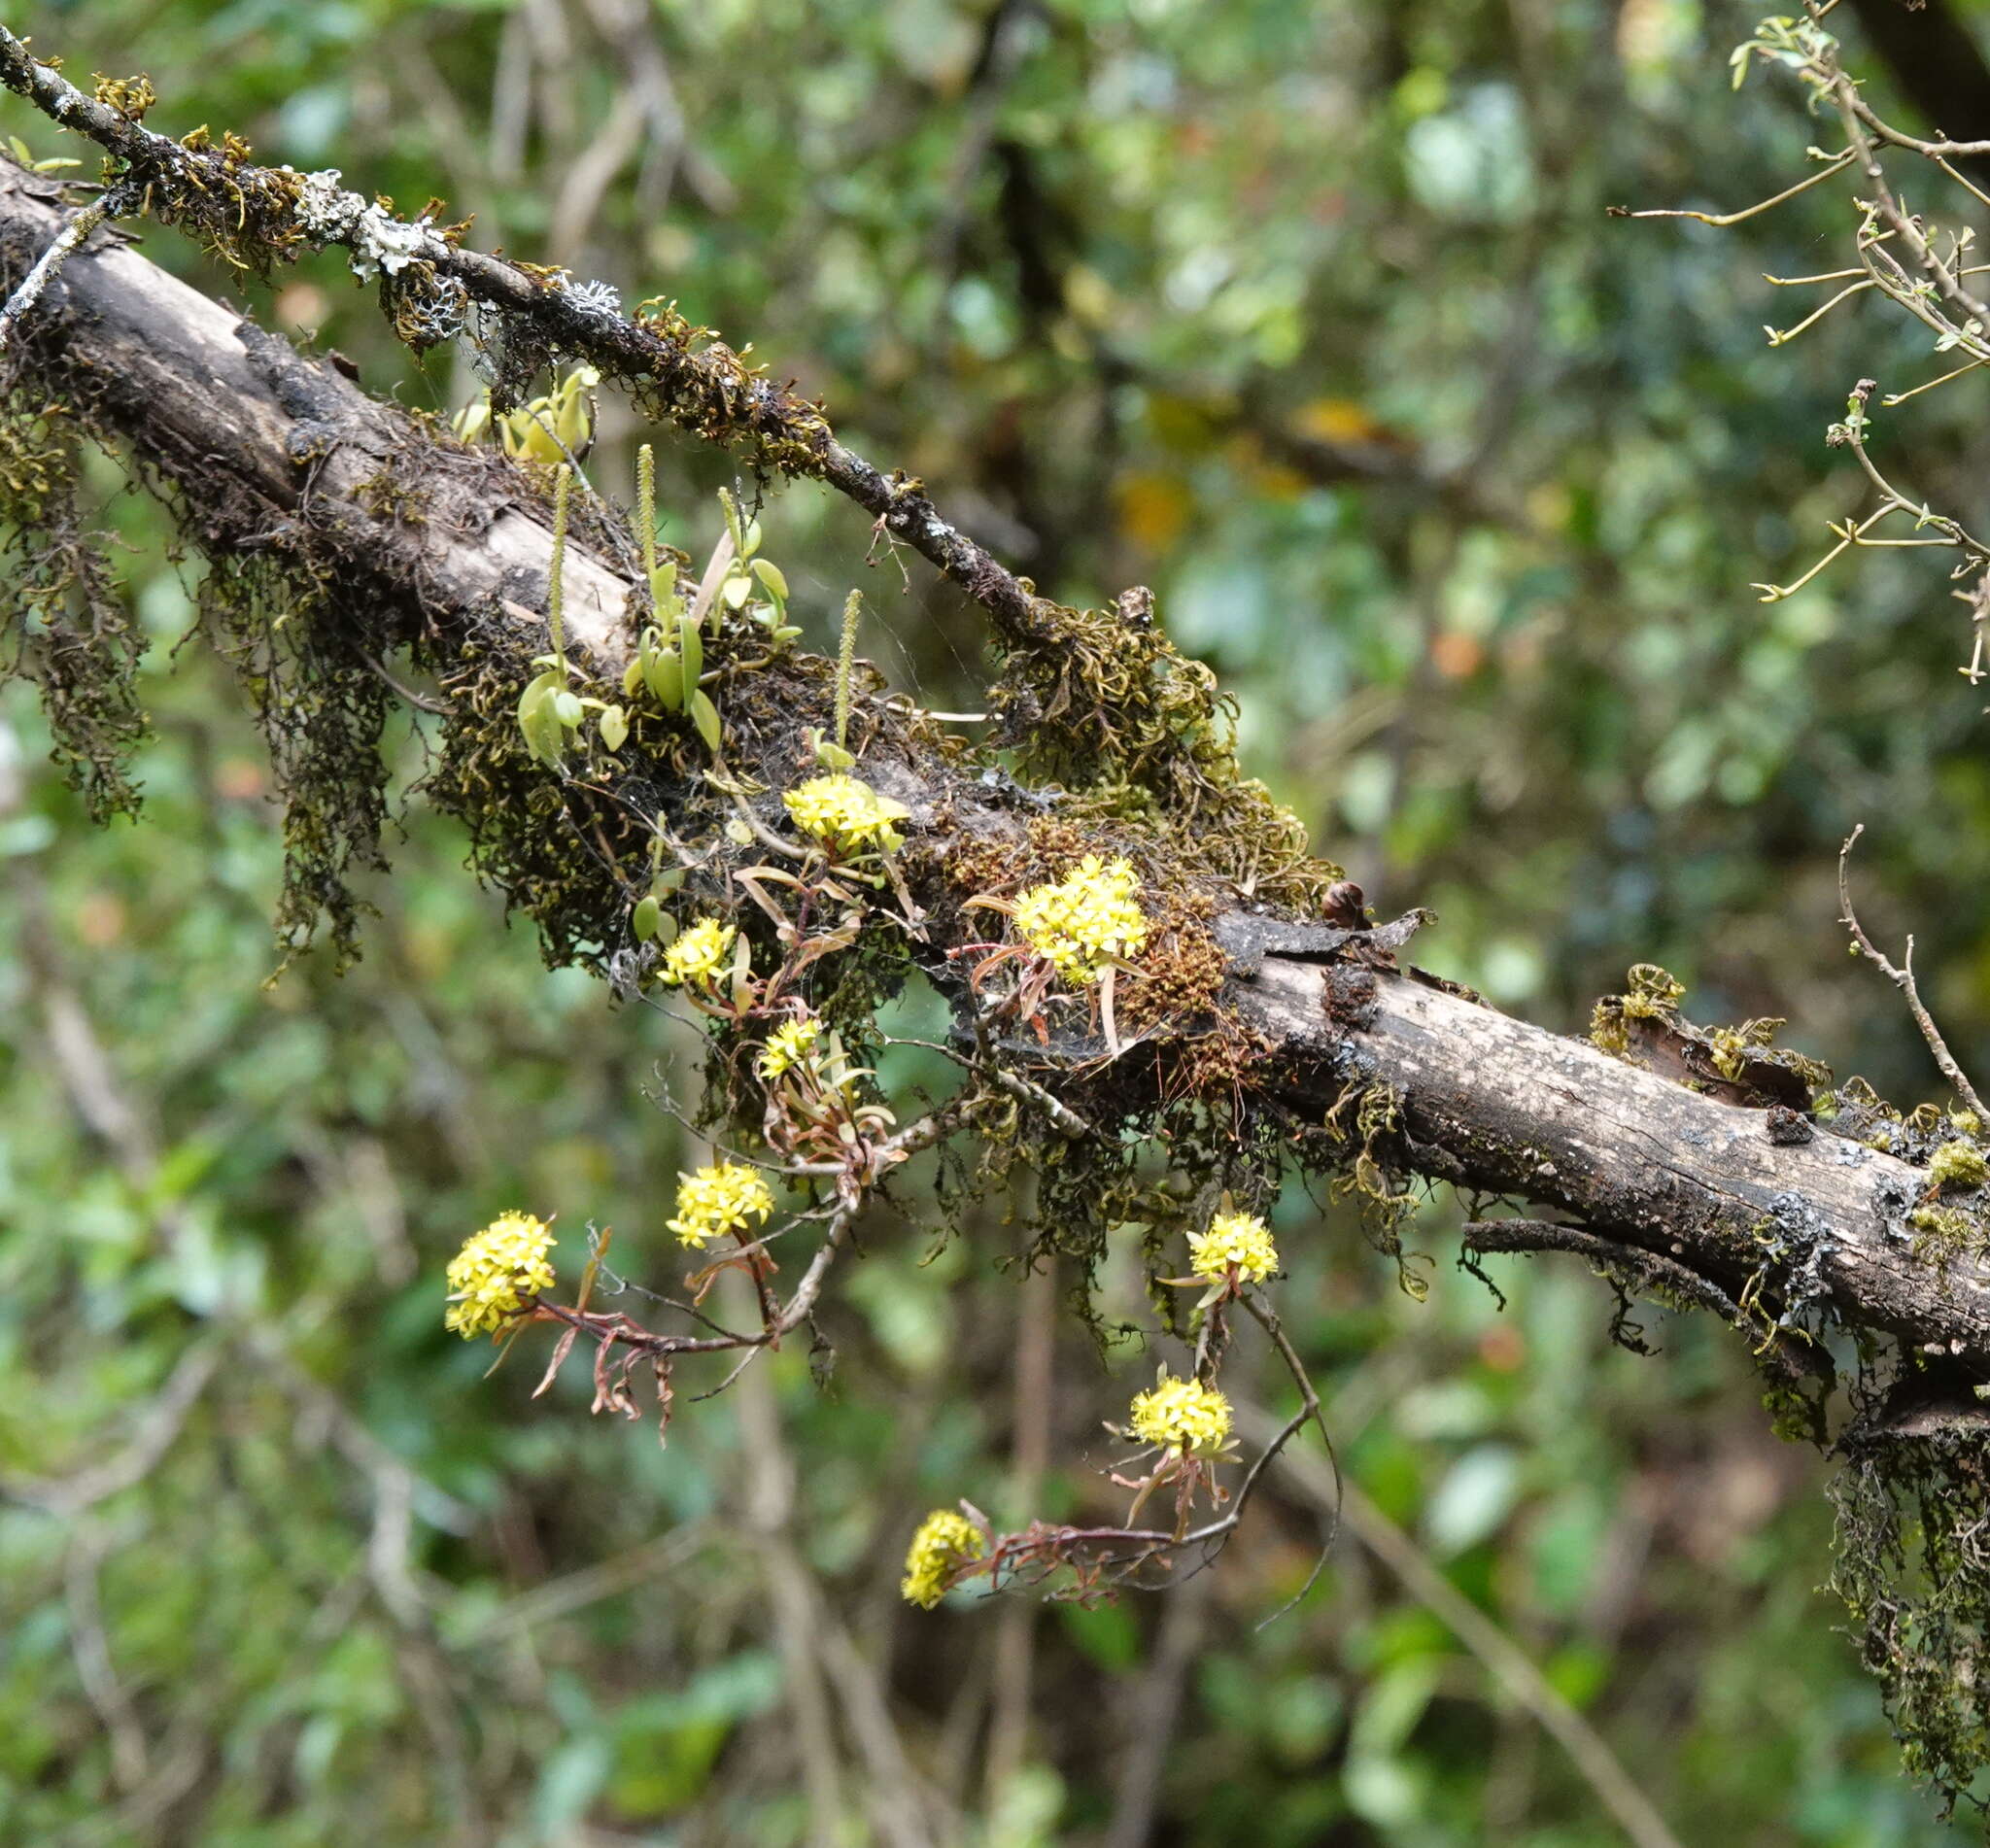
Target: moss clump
<point>1103,703</point>
<point>130,96</point>
<point>1737,1052</point>
<point>62,623</point>
<point>1958,1164</point>
<point>1644,1027</point>
<point>1911,1513</point>
<point>1945,1235</point>
<point>1650,993</point>
<point>302,656</point>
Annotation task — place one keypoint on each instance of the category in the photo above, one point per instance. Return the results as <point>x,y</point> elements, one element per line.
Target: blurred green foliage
<point>1309,318</point>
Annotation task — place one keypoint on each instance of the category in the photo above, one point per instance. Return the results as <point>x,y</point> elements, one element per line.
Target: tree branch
<point>1937,64</point>
<point>1812,1231</point>
<point>704,388</point>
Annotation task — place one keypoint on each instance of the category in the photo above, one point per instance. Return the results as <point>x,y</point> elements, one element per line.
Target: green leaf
<point>665,599</point>
<point>693,642</point>
<point>705,716</point>
<point>535,714</point>
<point>567,708</point>
<point>736,590</point>
<point>664,672</point>
<point>544,734</point>
<point>540,688</point>
<point>771,576</point>
<point>614,723</point>
<point>648,917</point>
<point>631,676</point>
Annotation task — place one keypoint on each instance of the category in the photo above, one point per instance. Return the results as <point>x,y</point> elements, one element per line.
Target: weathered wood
<point>205,394</point>
<point>1508,1108</point>
<point>1489,1101</point>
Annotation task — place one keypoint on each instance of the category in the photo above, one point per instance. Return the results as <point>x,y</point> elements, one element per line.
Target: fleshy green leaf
<point>664,672</point>
<point>694,654</point>
<point>705,716</point>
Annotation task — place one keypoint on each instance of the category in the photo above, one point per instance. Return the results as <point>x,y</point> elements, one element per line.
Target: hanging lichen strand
<point>62,623</point>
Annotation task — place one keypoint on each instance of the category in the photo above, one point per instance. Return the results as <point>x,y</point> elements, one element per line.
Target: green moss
<point>1958,1164</point>
<point>1735,1050</point>
<point>1912,1513</point>
<point>63,624</point>
<point>1650,993</point>
<point>1946,1234</point>
<point>1103,703</point>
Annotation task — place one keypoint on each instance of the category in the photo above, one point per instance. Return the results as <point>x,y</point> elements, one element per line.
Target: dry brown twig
<point>1902,979</point>
<point>1920,267</point>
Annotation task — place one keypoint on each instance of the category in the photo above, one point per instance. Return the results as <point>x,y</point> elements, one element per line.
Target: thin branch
<point>1902,979</point>
<point>1901,397</point>
<point>1722,220</point>
<point>1782,336</point>
<point>420,701</point>
<point>1504,1659</point>
<point>1514,1236</point>
<point>699,388</point>
<point>111,204</point>
<point>131,1758</point>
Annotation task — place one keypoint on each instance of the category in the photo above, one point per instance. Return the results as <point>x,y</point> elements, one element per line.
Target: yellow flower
<point>1237,1239</point>
<point>716,1200</point>
<point>1182,1415</point>
<point>496,1271</point>
<point>845,811</point>
<point>1084,922</point>
<point>945,1540</point>
<point>787,1046</point>
<point>701,955</point>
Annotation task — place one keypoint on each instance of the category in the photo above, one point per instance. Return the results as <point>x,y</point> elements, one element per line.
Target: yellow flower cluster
<point>944,1541</point>
<point>495,1272</point>
<point>845,811</point>
<point>1237,1239</point>
<point>1182,1415</point>
<point>1086,920</point>
<point>788,1045</point>
<point>702,954</point>
<point>716,1200</point>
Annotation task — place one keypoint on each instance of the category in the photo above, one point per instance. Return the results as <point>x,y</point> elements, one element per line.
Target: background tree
<point>1453,573</point>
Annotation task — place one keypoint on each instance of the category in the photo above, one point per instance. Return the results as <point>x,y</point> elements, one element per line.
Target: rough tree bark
<point>1488,1103</point>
